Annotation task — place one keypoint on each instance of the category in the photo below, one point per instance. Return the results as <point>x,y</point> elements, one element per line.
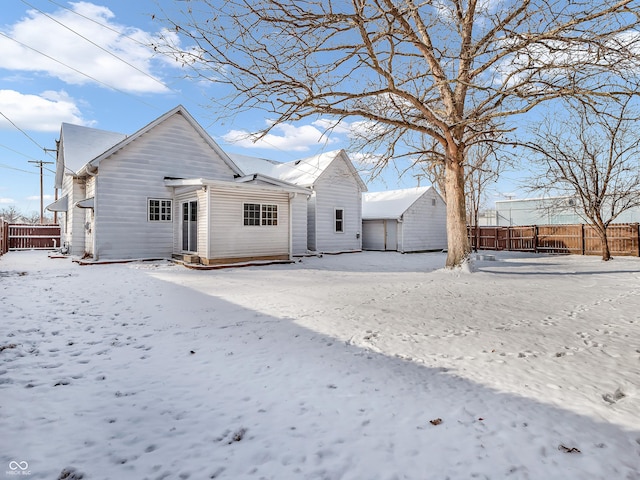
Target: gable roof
<point>303,172</point>
<point>391,204</point>
<point>179,110</point>
<point>80,144</point>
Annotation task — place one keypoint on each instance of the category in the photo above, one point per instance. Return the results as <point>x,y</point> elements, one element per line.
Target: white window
<point>339,220</point>
<point>256,214</point>
<point>269,215</point>
<point>159,210</point>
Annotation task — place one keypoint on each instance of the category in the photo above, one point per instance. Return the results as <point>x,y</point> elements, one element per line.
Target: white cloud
<point>365,160</point>
<point>7,201</point>
<point>44,112</point>
<point>333,126</point>
<point>286,137</point>
<point>44,35</point>
<point>355,129</point>
<point>37,197</point>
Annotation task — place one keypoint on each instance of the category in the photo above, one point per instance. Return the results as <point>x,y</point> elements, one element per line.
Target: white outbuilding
<point>408,220</point>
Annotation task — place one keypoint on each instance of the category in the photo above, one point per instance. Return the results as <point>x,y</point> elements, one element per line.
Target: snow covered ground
<point>361,366</point>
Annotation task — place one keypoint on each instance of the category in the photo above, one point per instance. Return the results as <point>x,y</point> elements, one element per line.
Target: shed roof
<point>390,204</point>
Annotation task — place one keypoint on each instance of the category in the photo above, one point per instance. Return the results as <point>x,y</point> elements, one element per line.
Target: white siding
<point>136,173</point>
<point>424,225</point>
<point>73,221</point>
<point>230,238</point>
<point>337,188</point>
<point>299,224</point>
<point>88,215</point>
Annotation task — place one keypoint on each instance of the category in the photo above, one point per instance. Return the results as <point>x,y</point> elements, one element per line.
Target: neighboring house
<point>409,220</point>
<point>333,216</point>
<point>549,211</point>
<point>166,190</point>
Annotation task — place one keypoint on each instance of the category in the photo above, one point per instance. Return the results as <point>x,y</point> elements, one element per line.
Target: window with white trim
<point>339,220</point>
<point>159,210</point>
<point>257,214</point>
<point>269,215</point>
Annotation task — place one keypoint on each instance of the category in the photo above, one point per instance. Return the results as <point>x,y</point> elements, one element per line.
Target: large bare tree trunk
<point>604,243</point>
<point>457,239</point>
<point>453,71</point>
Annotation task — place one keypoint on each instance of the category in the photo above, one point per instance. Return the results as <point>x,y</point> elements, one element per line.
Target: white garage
<point>408,220</point>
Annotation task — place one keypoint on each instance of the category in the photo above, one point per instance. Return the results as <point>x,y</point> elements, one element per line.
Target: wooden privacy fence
<point>624,239</point>
<point>4,237</point>
<point>29,237</point>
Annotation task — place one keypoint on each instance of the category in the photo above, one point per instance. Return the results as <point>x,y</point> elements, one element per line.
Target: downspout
<point>208,226</point>
<point>95,216</point>
<point>315,220</point>
<point>291,197</point>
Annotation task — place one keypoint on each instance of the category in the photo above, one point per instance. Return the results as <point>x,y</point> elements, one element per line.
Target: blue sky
<point>87,63</point>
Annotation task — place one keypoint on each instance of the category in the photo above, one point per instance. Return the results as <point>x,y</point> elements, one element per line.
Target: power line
<point>16,151</point>
<point>76,70</point>
<point>2,165</point>
<point>21,130</point>
<point>96,45</point>
<point>107,27</point>
<point>135,40</point>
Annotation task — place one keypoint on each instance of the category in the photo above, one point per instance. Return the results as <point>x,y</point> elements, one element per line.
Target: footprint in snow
<point>614,397</point>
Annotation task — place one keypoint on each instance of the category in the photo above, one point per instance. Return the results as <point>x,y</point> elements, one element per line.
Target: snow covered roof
<point>303,172</point>
<point>81,144</point>
<point>390,204</point>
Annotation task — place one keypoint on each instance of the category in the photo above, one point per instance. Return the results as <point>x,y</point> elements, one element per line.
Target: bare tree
<point>592,156</point>
<point>11,214</point>
<point>484,168</point>
<point>443,69</point>
<point>34,218</point>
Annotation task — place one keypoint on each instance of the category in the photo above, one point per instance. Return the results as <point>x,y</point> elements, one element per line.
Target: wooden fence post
<point>582,237</point>
<point>4,233</point>
<point>535,239</point>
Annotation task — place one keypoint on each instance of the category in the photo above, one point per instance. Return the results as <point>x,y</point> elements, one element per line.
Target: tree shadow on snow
<point>205,388</point>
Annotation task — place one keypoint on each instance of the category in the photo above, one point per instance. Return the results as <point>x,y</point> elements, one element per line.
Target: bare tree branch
<point>455,71</point>
<point>591,156</point>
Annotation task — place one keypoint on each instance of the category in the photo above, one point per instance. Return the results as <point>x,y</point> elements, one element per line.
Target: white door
<point>390,235</point>
<point>190,226</point>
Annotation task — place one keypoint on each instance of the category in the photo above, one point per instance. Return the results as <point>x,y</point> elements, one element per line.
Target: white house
<point>408,220</point>
<point>166,190</point>
<point>333,210</point>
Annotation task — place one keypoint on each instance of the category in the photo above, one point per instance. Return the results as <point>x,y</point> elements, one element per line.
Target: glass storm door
<point>190,226</point>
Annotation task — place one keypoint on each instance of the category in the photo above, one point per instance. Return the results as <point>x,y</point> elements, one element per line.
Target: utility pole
<point>41,163</point>
<point>55,196</point>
